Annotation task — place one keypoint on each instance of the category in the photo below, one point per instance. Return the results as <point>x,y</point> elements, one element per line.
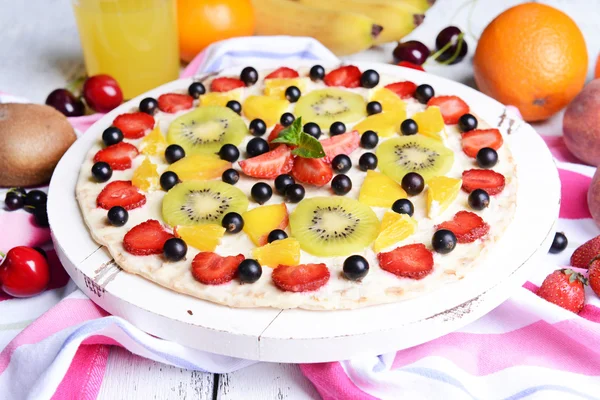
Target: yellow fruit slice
<point>385,124</point>
<point>199,167</point>
<point>390,102</point>
<point>394,228</point>
<point>279,252</point>
<point>154,143</point>
<point>276,87</point>
<point>441,192</point>
<point>260,221</point>
<point>145,177</point>
<point>430,123</point>
<point>267,108</point>
<point>379,190</point>
<point>220,98</point>
<point>202,237</point>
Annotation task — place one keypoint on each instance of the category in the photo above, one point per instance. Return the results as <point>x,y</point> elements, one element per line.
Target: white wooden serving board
<point>300,336</point>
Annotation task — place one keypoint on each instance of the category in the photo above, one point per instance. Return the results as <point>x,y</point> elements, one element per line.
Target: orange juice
<point>134,41</point>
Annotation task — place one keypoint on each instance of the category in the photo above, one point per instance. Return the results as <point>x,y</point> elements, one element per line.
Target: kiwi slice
<point>333,226</point>
<point>205,129</point>
<point>326,106</point>
<point>198,202</point>
<point>415,153</point>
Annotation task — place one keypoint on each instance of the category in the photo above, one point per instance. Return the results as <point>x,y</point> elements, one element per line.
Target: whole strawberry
<point>564,287</point>
<point>594,276</point>
<point>583,256</point>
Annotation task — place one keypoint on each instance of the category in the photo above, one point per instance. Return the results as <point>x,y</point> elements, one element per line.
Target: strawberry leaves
<point>306,146</point>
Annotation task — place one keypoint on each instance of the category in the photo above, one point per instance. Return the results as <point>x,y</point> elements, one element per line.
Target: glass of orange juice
<point>134,41</point>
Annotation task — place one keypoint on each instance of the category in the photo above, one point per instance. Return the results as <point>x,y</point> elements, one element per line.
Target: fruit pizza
<point>310,188</point>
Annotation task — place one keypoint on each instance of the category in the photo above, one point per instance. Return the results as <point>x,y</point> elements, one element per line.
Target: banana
<point>420,5</point>
<point>342,32</point>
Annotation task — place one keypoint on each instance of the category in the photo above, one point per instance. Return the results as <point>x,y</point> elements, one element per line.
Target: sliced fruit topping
<point>477,139</point>
<point>585,254</point>
<point>200,167</point>
<point>275,132</point>
<point>333,226</point>
<point>280,252</point>
<point>384,124</point>
<point>118,156</point>
<point>430,123</point>
<point>134,125</point>
<point>379,190</point>
<point>452,107</point>
<point>345,143</point>
<point>154,143</point>
<point>466,226</point>
<point>347,76</point>
<point>212,269</point>
<point>407,64</point>
<point>300,278</point>
<point>283,72</point>
<point>269,165</point>
<point>197,203</point>
<point>120,193</point>
<point>412,261</point>
<point>260,221</point>
<point>225,84</point>
<point>416,153</point>
<point>441,192</point>
<point>220,99</point>
<point>394,228</point>
<point>326,106</point>
<point>490,181</point>
<point>145,177</point>
<point>174,102</point>
<point>267,108</point>
<point>404,90</point>
<point>205,129</point>
<point>389,100</point>
<point>146,238</point>
<point>202,237</point>
<point>276,87</point>
<point>312,170</point>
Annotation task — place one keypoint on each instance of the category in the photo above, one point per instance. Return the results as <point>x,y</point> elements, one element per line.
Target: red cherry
<point>24,272</point>
<point>102,93</point>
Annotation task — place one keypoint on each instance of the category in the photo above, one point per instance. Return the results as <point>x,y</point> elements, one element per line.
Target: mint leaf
<point>291,134</point>
<point>307,146</point>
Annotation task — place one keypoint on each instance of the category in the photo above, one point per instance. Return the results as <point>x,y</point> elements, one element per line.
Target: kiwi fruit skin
<point>307,223</point>
<point>235,125</point>
<point>177,204</point>
<point>356,107</point>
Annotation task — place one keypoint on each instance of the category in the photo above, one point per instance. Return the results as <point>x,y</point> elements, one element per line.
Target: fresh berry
<point>423,93</point>
<point>458,48</point>
<point>134,125</point>
<point>300,278</point>
<point>410,65</point>
<point>35,198</point>
<point>369,140</point>
<point>467,122</point>
<point>41,251</point>
<point>24,272</point>
<point>212,269</point>
<point>583,256</point>
<point>275,132</point>
<point>374,107</point>
<point>312,171</point>
<point>337,128</point>
<point>411,51</point>
<point>316,72</point>
<point>345,143</point>
<point>409,127</point>
<point>174,152</point>
<point>232,222</point>
<point>120,193</point>
<point>341,184</point>
<point>196,89</point>
<point>413,183</point>
<point>479,199</point>
<point>294,193</point>
<point>146,238</point>
<point>367,161</point>
<point>347,76</point>
<point>490,181</point>
<point>117,216</point>
<point>257,127</point>
<point>283,72</point>
<point>486,157</point>
<point>443,241</point>
<point>270,164</point>
<point>286,119</point>
<point>118,156</point>
<point>559,243</point>
<point>466,226</point>
<point>65,102</point>
<point>249,76</point>
<point>292,94</point>
<point>565,288</point>
<point>234,106</point>
<point>174,249</point>
<point>230,176</point>
<point>477,139</point>
<point>40,216</point>
<point>369,79</point>
<point>261,192</point>
<point>403,206</point>
<point>168,180</point>
<point>225,84</point>
<point>412,261</point>
<point>249,271</point>
<point>452,107</point>
<point>229,152</point>
<point>149,105</point>
<point>341,164</point>
<point>276,234</point>
<point>312,129</point>
<point>282,182</point>
<point>404,90</point>
<point>112,135</point>
<point>102,93</point>
<point>355,268</point>
<point>101,171</point>
<point>256,147</point>
<point>175,102</point>
<point>594,276</point>
<point>14,201</point>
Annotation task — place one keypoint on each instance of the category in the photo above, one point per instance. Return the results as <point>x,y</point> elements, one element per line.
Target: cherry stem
<point>2,255</point>
<point>459,40</point>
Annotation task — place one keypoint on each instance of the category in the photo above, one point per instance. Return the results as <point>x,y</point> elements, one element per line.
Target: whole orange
<point>202,22</point>
<point>597,70</point>
<point>531,56</point>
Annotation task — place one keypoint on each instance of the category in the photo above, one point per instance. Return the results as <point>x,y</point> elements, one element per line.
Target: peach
<point>593,197</point>
<point>581,124</point>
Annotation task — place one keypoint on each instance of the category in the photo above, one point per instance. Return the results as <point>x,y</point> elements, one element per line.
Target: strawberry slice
<point>174,102</point>
<point>452,107</point>
<point>118,156</point>
<point>270,164</point>
<point>466,226</point>
<point>412,261</point>
<point>120,193</point>
<point>134,125</point>
<point>404,90</point>
<point>477,139</point>
<point>146,238</point>
<point>212,269</point>
<point>407,64</point>
<point>312,170</point>
<point>345,143</point>
<point>486,179</point>
<point>347,76</point>
<point>275,132</point>
<point>586,253</point>
<point>283,72</point>
<point>300,278</point>
<point>225,84</point>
